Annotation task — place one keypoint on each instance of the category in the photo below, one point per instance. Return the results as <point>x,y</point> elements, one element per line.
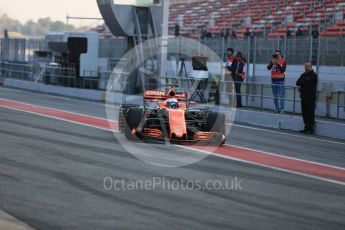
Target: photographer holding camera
<point>277,66</point>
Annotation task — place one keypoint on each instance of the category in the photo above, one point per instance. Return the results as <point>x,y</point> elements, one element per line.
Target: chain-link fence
<point>257,95</point>
<point>322,51</point>
<point>54,75</point>
<point>254,95</point>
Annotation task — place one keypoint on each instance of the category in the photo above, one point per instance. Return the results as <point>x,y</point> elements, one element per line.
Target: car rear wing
<point>162,95</point>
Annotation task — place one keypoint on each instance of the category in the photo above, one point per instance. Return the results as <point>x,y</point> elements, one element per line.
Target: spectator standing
<point>307,84</point>
<point>248,33</point>
<point>236,71</point>
<point>233,34</point>
<point>277,66</point>
<point>315,33</point>
<point>229,56</point>
<point>228,62</point>
<point>227,33</point>
<point>288,33</point>
<point>298,32</point>
<point>177,30</point>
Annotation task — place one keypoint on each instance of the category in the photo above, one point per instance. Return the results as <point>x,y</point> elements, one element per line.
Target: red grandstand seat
<point>198,14</point>
<point>341,23</point>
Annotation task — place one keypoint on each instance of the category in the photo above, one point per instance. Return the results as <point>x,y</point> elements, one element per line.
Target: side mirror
<point>192,102</point>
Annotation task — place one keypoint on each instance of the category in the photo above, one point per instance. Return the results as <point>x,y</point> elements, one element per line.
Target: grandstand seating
<point>272,18</point>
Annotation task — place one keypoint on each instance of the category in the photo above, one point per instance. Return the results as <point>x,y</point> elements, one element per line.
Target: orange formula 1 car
<point>167,116</point>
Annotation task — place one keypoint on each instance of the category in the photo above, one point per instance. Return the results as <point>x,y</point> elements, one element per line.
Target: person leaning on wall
<point>307,85</point>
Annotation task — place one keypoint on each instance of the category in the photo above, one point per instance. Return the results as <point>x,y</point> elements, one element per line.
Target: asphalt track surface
<point>52,177</point>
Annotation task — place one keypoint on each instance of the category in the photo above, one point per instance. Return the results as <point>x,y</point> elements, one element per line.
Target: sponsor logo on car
<point>155,93</point>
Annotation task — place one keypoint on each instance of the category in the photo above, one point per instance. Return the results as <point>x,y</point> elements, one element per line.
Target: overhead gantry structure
<point>138,24</point>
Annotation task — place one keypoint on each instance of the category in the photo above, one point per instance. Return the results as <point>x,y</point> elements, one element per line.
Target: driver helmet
<point>171,93</point>
<point>172,103</point>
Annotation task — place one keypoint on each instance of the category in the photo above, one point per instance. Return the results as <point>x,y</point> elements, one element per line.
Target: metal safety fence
<point>340,103</point>
<point>257,96</point>
<point>323,51</point>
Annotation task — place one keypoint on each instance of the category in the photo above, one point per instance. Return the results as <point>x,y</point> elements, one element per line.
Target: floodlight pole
<point>164,41</point>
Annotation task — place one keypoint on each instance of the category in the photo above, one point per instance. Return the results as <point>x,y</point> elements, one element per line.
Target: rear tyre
<point>216,123</point>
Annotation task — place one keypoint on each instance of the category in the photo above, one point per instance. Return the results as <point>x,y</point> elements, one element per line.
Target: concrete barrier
<point>329,128</point>
<point>94,95</point>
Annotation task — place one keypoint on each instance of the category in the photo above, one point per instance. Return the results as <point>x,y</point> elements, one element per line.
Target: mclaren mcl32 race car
<point>169,116</point>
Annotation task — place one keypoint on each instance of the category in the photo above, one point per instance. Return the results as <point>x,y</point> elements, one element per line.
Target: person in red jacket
<point>277,66</point>
<point>230,56</point>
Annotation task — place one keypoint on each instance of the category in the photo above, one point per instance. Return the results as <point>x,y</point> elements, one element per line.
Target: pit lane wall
<point>328,128</point>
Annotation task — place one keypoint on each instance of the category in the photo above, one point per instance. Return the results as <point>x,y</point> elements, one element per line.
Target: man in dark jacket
<point>237,74</point>
<point>307,84</point>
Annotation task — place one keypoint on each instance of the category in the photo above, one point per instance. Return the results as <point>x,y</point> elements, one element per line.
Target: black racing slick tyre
<point>216,123</point>
<point>123,116</point>
<point>133,118</point>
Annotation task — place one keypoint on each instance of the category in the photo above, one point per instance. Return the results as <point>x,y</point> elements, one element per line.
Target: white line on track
<point>287,157</point>
<point>57,118</point>
<point>271,167</point>
<point>59,110</point>
<point>214,154</point>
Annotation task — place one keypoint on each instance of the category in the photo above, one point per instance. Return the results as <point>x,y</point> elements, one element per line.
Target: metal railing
<point>323,51</point>
<point>255,95</point>
<point>59,76</point>
<point>19,71</point>
<point>339,104</point>
<point>262,91</point>
<point>249,90</point>
<point>259,96</point>
<point>258,50</point>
